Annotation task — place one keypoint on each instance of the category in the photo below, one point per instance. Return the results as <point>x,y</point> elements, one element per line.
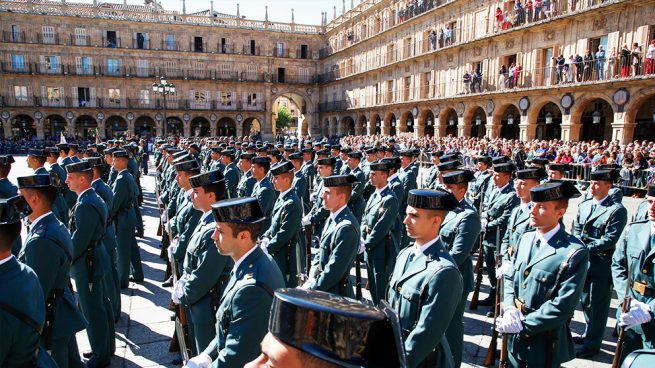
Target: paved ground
<point>144,330</point>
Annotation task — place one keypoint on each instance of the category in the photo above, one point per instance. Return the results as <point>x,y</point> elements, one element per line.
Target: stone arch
<point>361,127</point>
<point>545,117</point>
<point>426,123</point>
<point>174,126</point>
<point>346,126</point>
<point>476,118</point>
<point>200,126</point>
<point>226,127</point>
<point>325,128</point>
<point>639,113</point>
<point>22,125</point>
<point>85,126</point>
<point>448,122</point>
<point>53,125</point>
<point>594,116</point>
<point>406,123</point>
<point>389,126</point>
<point>252,127</point>
<point>300,106</point>
<point>115,126</point>
<point>375,124</point>
<point>145,126</point>
<point>506,117</point>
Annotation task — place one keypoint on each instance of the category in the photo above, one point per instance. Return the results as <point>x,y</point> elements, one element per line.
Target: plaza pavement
<point>144,330</point>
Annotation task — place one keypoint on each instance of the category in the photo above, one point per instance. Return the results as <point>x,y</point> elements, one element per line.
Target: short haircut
<point>217,189</point>
<point>265,166</point>
<point>40,159</point>
<point>561,203</point>
<point>309,360</point>
<point>48,194</point>
<point>88,175</point>
<point>8,235</point>
<point>4,170</point>
<point>253,229</point>
<point>344,190</point>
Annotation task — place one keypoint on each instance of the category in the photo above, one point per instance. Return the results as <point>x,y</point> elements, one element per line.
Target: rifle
<point>181,325</point>
<point>309,236</point>
<point>358,278</point>
<point>625,307</point>
<point>478,267</point>
<point>503,352</point>
<point>490,357</point>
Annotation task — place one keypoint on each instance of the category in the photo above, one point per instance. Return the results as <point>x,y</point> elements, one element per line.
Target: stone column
<point>39,129</point>
<point>527,131</point>
<point>239,128</point>
<point>463,129</point>
<point>102,129</point>
<point>570,131</point>
<point>6,126</point>
<point>213,128</point>
<point>187,128</point>
<point>267,124</point>
<point>622,130</point>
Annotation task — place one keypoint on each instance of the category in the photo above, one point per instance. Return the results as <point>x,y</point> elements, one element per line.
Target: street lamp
<point>653,115</point>
<point>163,88</point>
<point>596,117</point>
<point>429,122</point>
<point>478,120</point>
<point>510,119</point>
<point>451,121</point>
<point>549,118</point>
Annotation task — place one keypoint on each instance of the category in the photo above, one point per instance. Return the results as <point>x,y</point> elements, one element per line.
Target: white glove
<point>510,322</point>
<point>306,220</point>
<point>505,268</point>
<point>172,248</point>
<point>308,284</point>
<point>638,314</point>
<point>178,290</point>
<point>201,361</point>
<point>483,225</point>
<point>164,216</point>
<point>264,244</point>
<point>312,197</point>
<point>362,246</point>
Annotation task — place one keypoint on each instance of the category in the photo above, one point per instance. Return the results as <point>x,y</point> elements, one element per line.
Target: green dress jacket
<point>186,221</point>
<point>498,207</point>
<point>336,255</point>
<point>242,317</point>
<point>480,187</point>
<point>519,223</point>
<point>266,197</point>
<point>432,180</point>
<point>357,203</point>
<point>642,212</point>
<point>425,289</point>
<point>302,190</point>
<point>460,233</point>
<point>284,235</point>
<point>246,184</point>
<point>231,174</point>
<point>8,190</point>
<point>318,213</point>
<point>549,300</point>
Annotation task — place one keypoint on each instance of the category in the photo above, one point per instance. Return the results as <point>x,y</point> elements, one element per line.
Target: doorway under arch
<point>252,127</point>
<point>509,123</point>
<point>645,121</point>
<point>297,120</point>
<point>596,121</point>
<point>53,126</point>
<point>115,126</point>
<point>23,126</point>
<point>429,124</point>
<point>200,127</point>
<point>452,121</point>
<point>549,122</point>
<point>145,126</point>
<point>226,127</point>
<point>85,126</point>
<point>479,123</point>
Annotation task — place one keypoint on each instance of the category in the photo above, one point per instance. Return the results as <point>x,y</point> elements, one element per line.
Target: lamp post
<point>510,119</point>
<point>596,117</point>
<point>549,118</point>
<point>163,88</point>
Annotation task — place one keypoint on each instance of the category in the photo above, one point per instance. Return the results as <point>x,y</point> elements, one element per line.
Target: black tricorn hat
<point>73,146</point>
<point>406,153</point>
<point>458,177</point>
<point>95,161</point>
<point>329,161</point>
<point>229,153</point>
<point>540,161</point>
<point>247,156</point>
<point>38,181</point>
<point>394,162</point>
<point>120,154</point>
<point>380,165</point>
<point>506,167</point>
<point>281,168</point>
<point>208,178</point>
<point>190,165</point>
<point>356,154</point>
<point>216,149</point>
<point>340,181</point>
<point>181,157</point>
<point>449,165</point>
<point>371,150</point>
<point>367,336</point>
<point>261,160</point>
<point>500,160</point>
<point>437,153</point>
<point>432,199</point>
<point>13,209</point>
<point>62,146</point>
<point>37,153</point>
<point>651,190</point>
<point>559,167</point>
<point>307,150</point>
<point>76,167</point>
<point>345,149</point>
<point>323,152</point>
<point>451,156</point>
<point>608,167</point>
<point>485,159</point>
<point>7,160</point>
<point>180,153</point>
<point>244,210</point>
<point>553,191</point>
<point>605,175</point>
<point>534,173</point>
<point>52,151</point>
<point>295,156</point>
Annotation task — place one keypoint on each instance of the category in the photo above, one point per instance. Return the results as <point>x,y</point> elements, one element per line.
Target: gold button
<point>543,280</point>
<point>250,266</point>
<point>644,271</point>
<point>526,273</point>
<point>523,286</point>
<point>585,231</point>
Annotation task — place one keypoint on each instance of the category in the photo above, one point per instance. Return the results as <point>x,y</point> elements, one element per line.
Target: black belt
<point>215,294</point>
<point>50,316</point>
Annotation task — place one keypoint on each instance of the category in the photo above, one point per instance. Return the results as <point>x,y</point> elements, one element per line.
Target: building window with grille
<point>113,66</point>
<point>20,93</point>
<point>54,94</point>
<point>199,98</point>
<point>48,34</point>
<point>252,99</point>
<point>17,62</point>
<point>226,98</point>
<point>170,42</point>
<point>80,37</point>
<point>83,64</point>
<point>114,96</point>
<point>50,64</point>
<point>144,97</point>
<point>303,75</point>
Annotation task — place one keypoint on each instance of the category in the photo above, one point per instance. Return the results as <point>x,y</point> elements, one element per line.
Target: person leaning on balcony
<point>467,82</point>
<point>625,61</point>
<point>600,63</point>
<point>502,77</point>
<point>587,66</point>
<point>499,19</point>
<point>636,59</point>
<point>650,58</point>
<point>612,64</point>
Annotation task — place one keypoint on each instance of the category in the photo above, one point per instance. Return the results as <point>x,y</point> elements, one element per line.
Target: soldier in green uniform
<point>91,263</point>
<point>318,214</point>
<point>357,203</point>
<point>244,308</point>
<point>407,177</point>
<point>308,170</point>
<point>8,190</point>
<point>112,284</point>
<point>206,271</point>
<point>426,286</point>
<point>519,220</point>
<point>497,209</point>
<point>282,239</point>
<point>60,208</point>
<point>599,223</point>
<point>300,184</point>
<point>48,250</point>
<point>635,253</point>
<point>263,189</point>
<point>247,182</point>
<point>367,336</point>
<point>544,286</point>
<point>377,242</point>
<point>642,212</point>
<point>122,214</point>
<point>231,172</point>
<point>63,157</point>
<point>330,270</point>
<point>36,159</point>
<point>72,153</point>
<point>460,232</point>
<point>480,187</point>
<point>22,306</point>
<point>432,180</point>
<point>557,171</point>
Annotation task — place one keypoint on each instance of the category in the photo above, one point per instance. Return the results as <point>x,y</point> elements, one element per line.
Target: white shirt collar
<point>380,190</point>
<point>204,216</point>
<point>85,190</point>
<point>545,238</point>
<point>122,170</point>
<point>99,179</point>
<point>285,192</point>
<point>3,261</point>
<point>237,263</point>
<point>418,250</point>
<point>188,192</point>
<point>503,187</point>
<point>600,202</point>
<point>33,225</point>
<point>392,177</point>
<point>337,212</point>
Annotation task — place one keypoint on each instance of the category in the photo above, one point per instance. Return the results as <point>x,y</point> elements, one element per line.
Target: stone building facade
<point>417,67</point>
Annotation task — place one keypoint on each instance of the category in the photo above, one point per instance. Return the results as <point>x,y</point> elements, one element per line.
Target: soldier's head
<point>457,182</point>
<point>185,170</point>
<point>426,210</point>
<point>63,149</point>
<point>436,157</point>
<point>503,174</point>
<point>371,154</point>
<point>282,176</point>
<point>326,166</point>
<point>52,154</point>
<point>368,336</point>
<point>35,158</point>
<point>343,154</point>
<point>601,183</point>
<point>260,167</point>
<point>337,192</point>
<point>446,167</point>
<point>119,160</point>
<point>80,176</point>
<point>379,173</point>
<point>307,154</point>
<point>11,211</point>
<point>526,180</point>
<point>354,158</point>
<point>482,163</point>
<point>296,160</point>
<point>227,156</point>
<point>5,165</point>
<point>245,161</point>
<point>238,224</point>
<point>406,158</point>
<point>549,203</point>
<point>558,171</point>
<point>97,166</point>
<point>73,150</point>
<point>208,188</point>
<point>650,198</point>
<point>335,150</point>
<point>39,191</point>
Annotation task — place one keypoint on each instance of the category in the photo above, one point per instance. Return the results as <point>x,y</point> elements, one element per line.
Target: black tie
<point>409,261</point>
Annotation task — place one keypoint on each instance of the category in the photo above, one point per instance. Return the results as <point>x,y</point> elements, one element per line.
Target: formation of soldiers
<point>260,240</point>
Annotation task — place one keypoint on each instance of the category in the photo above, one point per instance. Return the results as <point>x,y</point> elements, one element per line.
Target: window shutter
<point>92,97</point>
<point>62,96</point>
<point>76,102</point>
<point>208,98</point>
<point>44,96</point>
